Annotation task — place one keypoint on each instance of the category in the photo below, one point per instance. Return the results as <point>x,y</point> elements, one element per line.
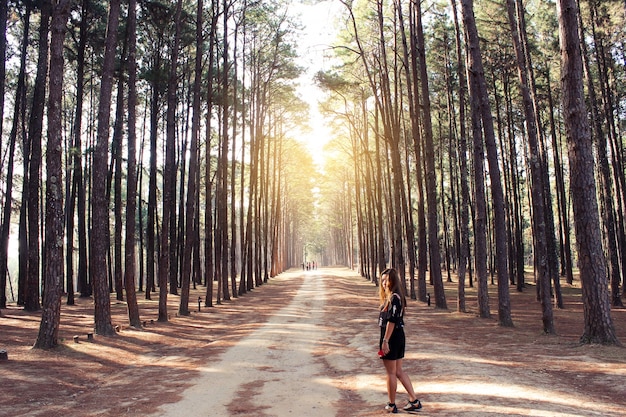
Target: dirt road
<point>272,371</point>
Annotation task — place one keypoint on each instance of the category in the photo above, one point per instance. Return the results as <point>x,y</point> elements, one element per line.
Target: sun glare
<point>318,33</point>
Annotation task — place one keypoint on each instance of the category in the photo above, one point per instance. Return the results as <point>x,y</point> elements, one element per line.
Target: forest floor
<point>305,344</point>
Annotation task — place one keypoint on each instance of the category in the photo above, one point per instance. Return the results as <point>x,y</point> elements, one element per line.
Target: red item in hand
<point>381,353</point>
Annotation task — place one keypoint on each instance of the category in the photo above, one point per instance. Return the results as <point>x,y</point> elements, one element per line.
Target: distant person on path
<point>392,339</point>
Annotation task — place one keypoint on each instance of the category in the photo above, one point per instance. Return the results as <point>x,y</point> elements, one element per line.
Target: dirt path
<point>272,371</point>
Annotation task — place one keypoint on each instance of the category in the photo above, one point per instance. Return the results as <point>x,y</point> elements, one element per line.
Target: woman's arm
<point>388,332</point>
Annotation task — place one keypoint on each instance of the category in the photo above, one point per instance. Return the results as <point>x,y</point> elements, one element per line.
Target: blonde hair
<point>394,285</point>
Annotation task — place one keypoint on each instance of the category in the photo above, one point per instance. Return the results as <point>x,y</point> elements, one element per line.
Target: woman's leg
<point>392,381</point>
<point>405,380</point>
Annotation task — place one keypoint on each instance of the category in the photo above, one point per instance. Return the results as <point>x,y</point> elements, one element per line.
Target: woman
<point>392,341</point>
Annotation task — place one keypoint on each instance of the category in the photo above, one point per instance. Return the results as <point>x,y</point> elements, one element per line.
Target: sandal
<point>413,405</point>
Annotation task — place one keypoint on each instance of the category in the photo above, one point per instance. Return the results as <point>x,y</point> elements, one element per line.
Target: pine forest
<point>150,148</point>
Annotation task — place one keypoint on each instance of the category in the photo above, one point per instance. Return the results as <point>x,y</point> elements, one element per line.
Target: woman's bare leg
<point>392,380</point>
<point>405,380</point>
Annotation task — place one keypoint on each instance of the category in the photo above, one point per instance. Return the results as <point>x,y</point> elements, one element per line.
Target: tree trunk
<point>208,210</point>
<point>242,175</point>
<point>275,246</point>
<point>179,219</point>
<point>140,222</point>
<point>480,209</point>
<point>537,183</point>
<point>51,317</point>
<point>31,197</point>
<point>151,244</point>
<point>169,172</point>
<point>222,190</point>
<point>20,102</point>
<point>422,247</point>
<point>463,174</point>
<point>386,103</point>
<point>99,246</point>
<point>6,212</point>
<point>233,175</point>
<point>607,192</point>
<point>595,296</point>
<point>410,227</point>
<point>507,147</point>
<point>75,175</point>
<point>476,72</point>
<point>4,6</point>
<point>117,191</point>
<point>517,221</point>
<point>191,211</point>
<point>264,218</point>
<point>564,221</point>
<point>130,257</point>
<point>431,175</point>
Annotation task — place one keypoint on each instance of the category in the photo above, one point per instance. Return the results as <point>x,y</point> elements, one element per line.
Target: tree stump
<point>4,355</point>
<point>75,339</point>
<point>90,337</point>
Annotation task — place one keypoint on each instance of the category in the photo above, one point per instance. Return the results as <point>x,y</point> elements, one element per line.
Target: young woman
<point>392,340</point>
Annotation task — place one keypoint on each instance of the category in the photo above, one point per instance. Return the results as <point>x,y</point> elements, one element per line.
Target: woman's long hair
<point>394,285</point>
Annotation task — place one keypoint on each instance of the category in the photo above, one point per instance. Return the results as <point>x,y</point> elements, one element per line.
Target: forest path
<point>272,371</point>
<point>315,356</point>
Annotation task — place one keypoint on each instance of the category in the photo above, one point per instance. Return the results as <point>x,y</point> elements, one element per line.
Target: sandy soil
<point>305,344</point>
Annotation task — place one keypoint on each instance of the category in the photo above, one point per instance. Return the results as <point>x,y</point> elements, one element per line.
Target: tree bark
<point>83,284</point>
<point>31,197</point>
<point>20,99</point>
<point>431,175</point>
<point>151,244</point>
<point>169,172</point>
<point>6,212</point>
<point>410,80</point>
<point>221,243</point>
<point>117,190</point>
<point>75,175</point>
<point>564,220</point>
<point>4,6</point>
<point>598,326</point>
<point>537,183</point>
<point>130,257</point>
<point>51,316</point>
<point>102,311</point>
<point>208,210</point>
<point>476,72</point>
<point>478,156</point>
<point>233,172</point>
<point>422,246</point>
<point>464,249</point>
<point>191,211</point>
<point>607,191</point>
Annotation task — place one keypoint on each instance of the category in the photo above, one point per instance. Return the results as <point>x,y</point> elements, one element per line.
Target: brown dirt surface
<point>305,344</point>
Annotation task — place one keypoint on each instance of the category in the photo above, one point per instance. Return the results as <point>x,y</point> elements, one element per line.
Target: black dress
<point>393,313</point>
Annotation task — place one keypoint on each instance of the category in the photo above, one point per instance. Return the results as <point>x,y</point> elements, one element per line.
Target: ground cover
<point>460,364</point>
